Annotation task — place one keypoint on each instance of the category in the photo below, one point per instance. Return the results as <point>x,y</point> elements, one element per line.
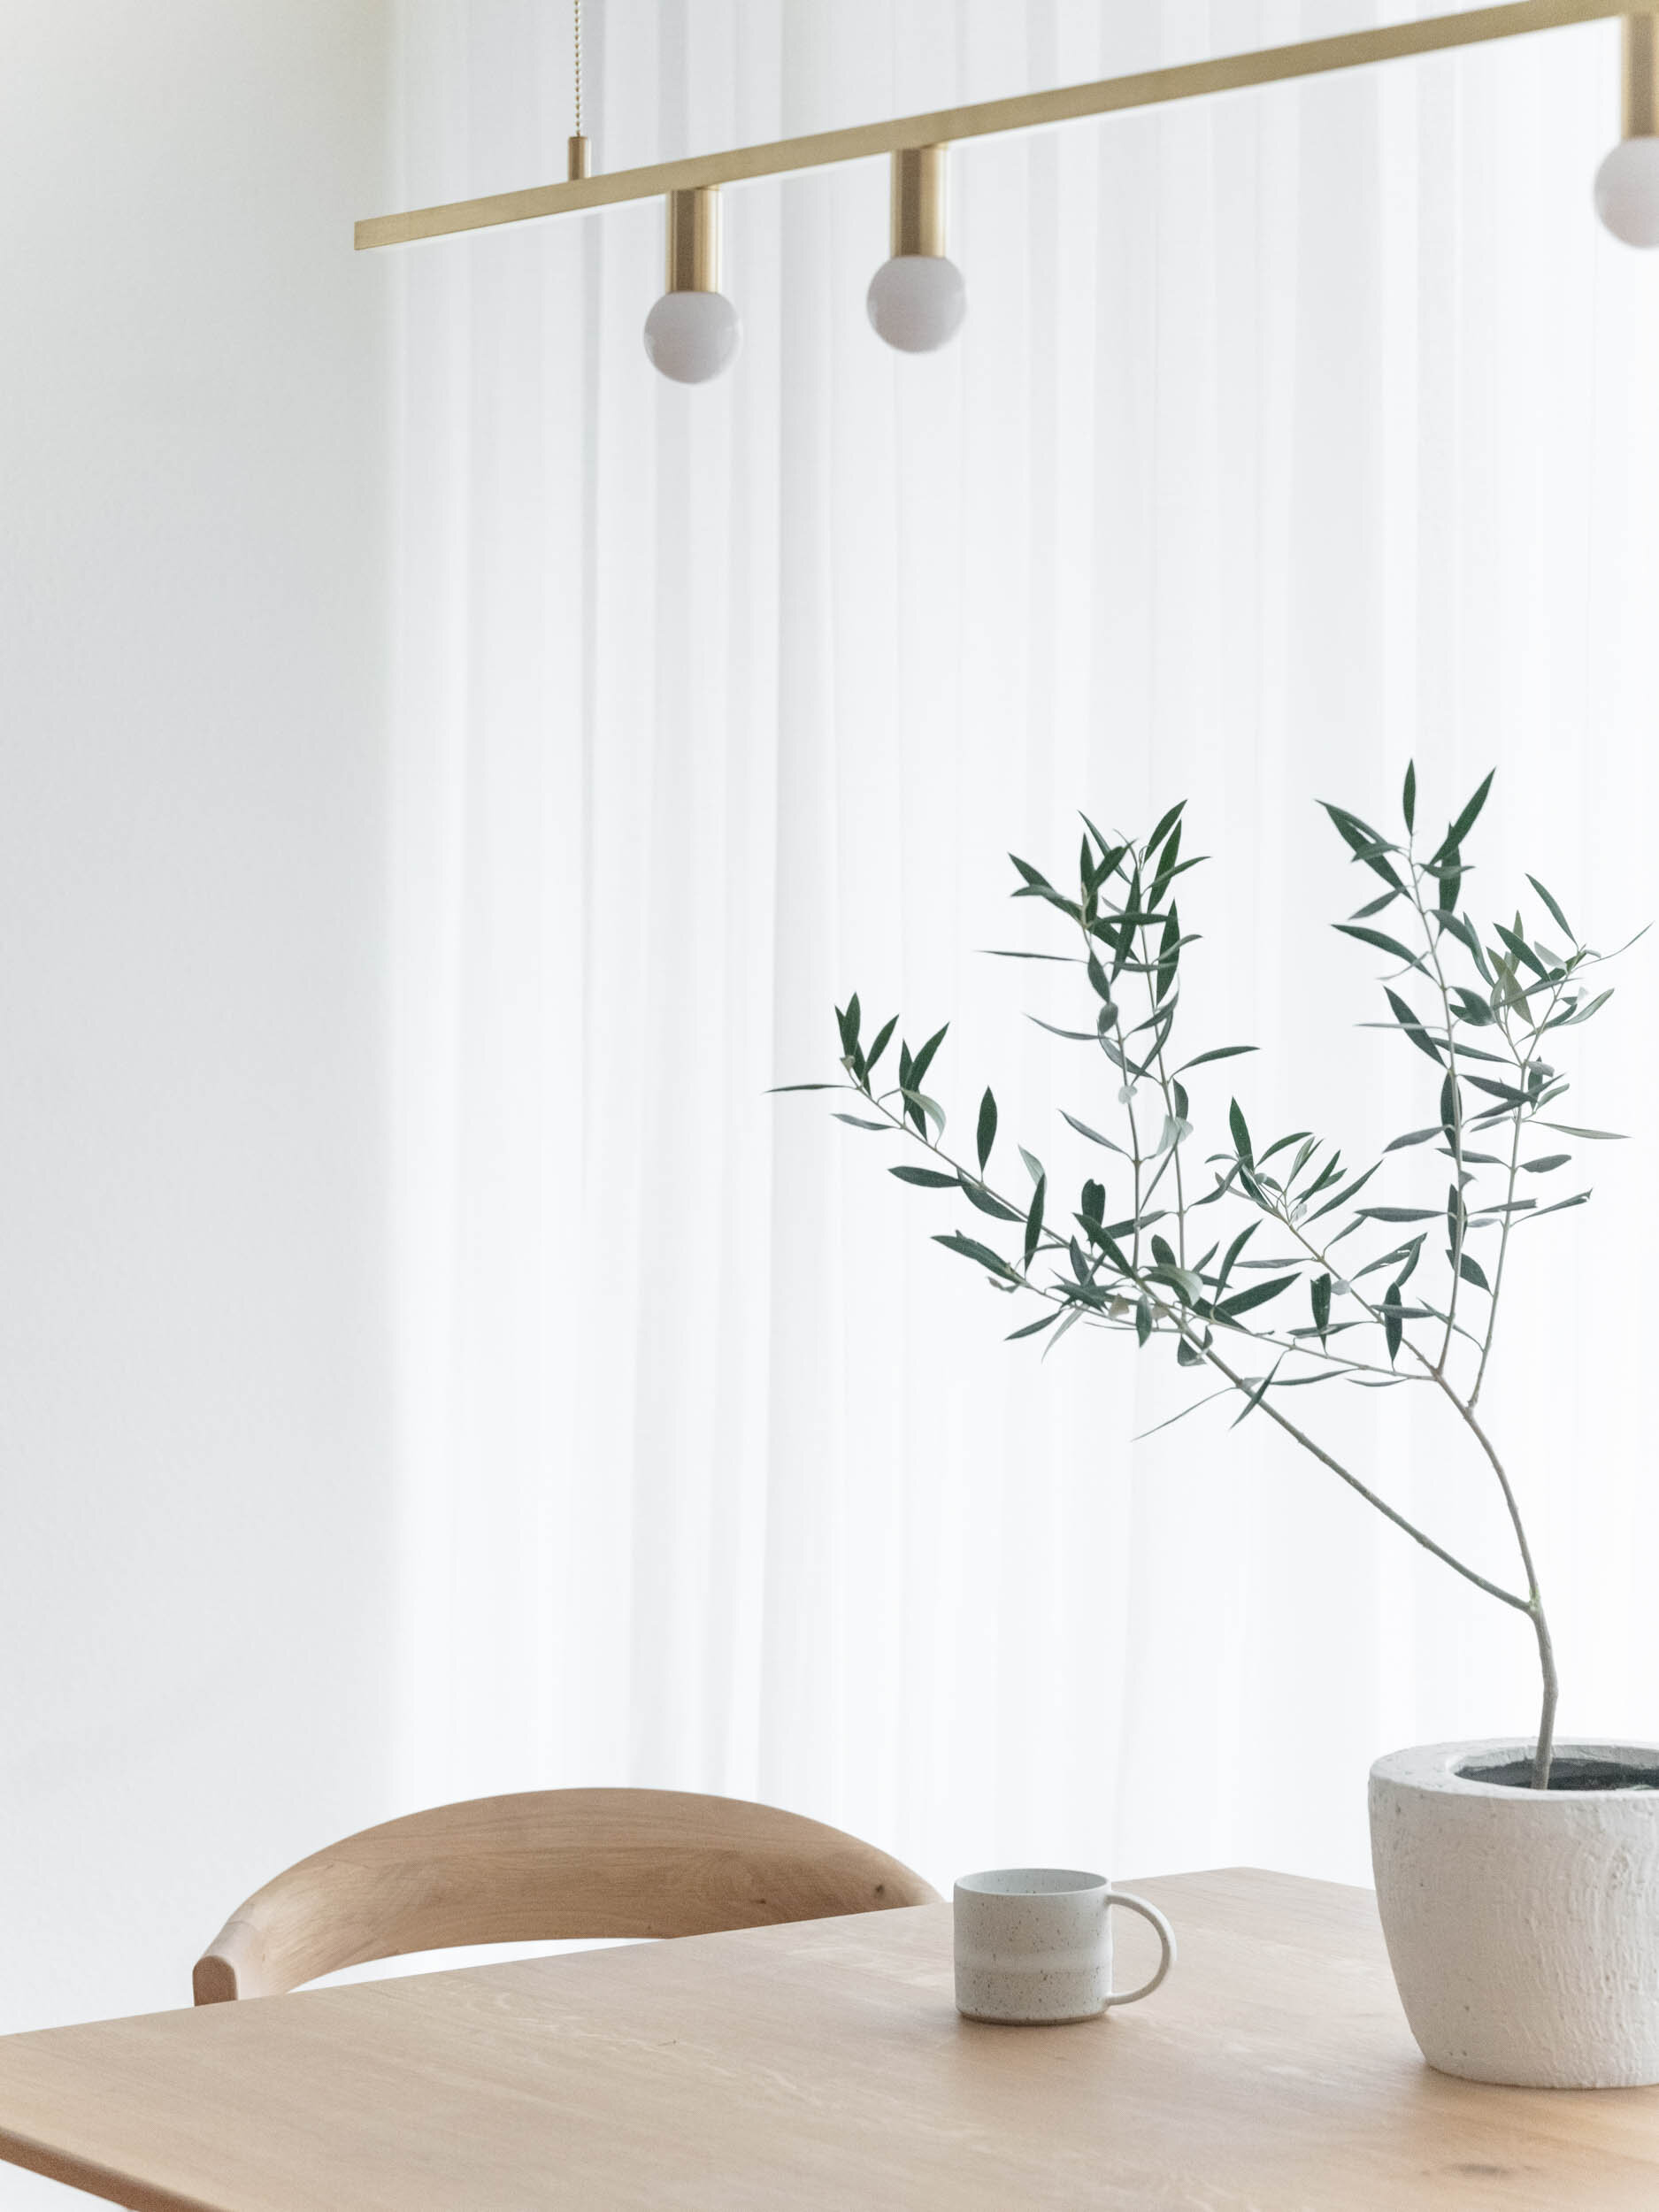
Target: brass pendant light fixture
<point>1627,182</point>
<point>693,332</point>
<point>917,300</point>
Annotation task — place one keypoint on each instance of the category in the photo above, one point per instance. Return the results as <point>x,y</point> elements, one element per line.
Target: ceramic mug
<point>1034,1944</point>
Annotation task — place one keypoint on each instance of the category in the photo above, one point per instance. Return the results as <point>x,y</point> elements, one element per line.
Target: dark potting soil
<point>1566,1773</point>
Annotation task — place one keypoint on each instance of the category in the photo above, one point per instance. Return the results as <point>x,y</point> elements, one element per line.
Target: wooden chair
<point>545,1866</point>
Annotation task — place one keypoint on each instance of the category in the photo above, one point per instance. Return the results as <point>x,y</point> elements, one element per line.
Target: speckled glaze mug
<point>1034,1946</point>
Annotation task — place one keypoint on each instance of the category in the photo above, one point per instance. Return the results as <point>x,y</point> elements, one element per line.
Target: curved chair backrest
<point>545,1866</point>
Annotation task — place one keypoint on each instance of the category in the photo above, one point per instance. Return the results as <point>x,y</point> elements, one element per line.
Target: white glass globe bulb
<point>691,336</point>
<point>917,301</point>
<point>1627,191</point>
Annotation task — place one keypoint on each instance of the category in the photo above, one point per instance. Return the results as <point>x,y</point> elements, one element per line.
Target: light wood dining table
<point>822,2065</point>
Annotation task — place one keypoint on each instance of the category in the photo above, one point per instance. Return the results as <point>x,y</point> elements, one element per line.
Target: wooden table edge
<point>77,2171</point>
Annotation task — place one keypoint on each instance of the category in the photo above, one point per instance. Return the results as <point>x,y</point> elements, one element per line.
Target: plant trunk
<point>1546,1751</point>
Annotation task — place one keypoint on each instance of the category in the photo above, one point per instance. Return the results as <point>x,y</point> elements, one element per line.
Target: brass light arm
<point>1023,111</point>
<point>1640,104</point>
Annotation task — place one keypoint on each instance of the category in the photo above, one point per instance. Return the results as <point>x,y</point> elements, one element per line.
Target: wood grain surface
<point>545,1866</point>
<point>822,2065</point>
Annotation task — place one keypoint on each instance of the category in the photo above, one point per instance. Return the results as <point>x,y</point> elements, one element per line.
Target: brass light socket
<point>694,239</point>
<point>579,154</point>
<point>918,201</point>
<point>1640,117</point>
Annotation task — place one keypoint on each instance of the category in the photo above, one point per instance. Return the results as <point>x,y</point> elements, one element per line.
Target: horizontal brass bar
<point>1023,111</point>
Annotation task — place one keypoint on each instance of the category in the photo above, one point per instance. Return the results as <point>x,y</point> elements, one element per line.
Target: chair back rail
<point>545,1866</point>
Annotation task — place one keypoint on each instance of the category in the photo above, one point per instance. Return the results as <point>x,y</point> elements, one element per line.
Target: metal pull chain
<point>579,149</point>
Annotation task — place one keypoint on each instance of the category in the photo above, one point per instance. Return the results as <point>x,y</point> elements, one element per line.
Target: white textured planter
<point>1523,1925</point>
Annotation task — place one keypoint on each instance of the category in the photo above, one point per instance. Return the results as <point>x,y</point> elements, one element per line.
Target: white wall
<point>195,1522</point>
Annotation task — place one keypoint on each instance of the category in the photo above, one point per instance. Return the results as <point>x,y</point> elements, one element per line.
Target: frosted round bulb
<point>1627,192</point>
<point>691,336</point>
<point>917,301</point>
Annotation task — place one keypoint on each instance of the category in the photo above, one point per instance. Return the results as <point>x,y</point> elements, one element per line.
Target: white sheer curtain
<point>1290,434</point>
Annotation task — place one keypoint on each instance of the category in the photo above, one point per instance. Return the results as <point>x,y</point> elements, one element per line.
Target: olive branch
<point>1434,1322</point>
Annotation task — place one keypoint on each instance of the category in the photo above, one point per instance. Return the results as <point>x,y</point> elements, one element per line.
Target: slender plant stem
<point>1459,1224</point>
<point>1128,1090</point>
<point>1544,1753</point>
<point>1523,1062</point>
<point>1417,1535</point>
<point>1173,1157</point>
<point>1245,1385</point>
<point>1504,1255</point>
<point>1544,1750</point>
<point>1533,1604</point>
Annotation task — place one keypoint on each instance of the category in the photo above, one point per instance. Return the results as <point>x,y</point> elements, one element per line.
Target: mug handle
<point>1166,1938</point>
